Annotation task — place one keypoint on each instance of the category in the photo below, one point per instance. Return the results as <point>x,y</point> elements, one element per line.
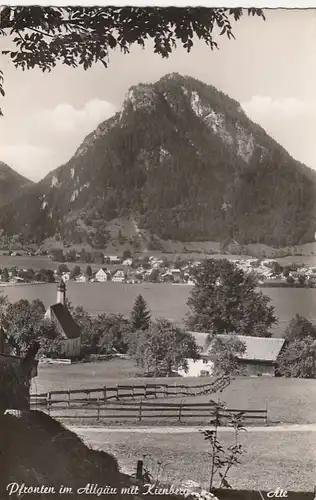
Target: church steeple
<point>61,293</point>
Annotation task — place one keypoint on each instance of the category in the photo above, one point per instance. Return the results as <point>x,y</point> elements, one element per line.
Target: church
<point>65,325</point>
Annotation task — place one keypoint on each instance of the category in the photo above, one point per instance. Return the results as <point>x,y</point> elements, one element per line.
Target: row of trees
<point>71,255</point>
<point>25,323</point>
<point>298,357</point>
<point>224,300</point>
<point>28,275</point>
<point>157,346</point>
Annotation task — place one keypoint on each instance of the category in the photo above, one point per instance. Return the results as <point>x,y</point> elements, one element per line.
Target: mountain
<point>183,162</point>
<point>12,184</point>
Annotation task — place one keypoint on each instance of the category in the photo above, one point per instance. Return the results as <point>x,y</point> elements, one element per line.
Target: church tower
<point>61,293</point>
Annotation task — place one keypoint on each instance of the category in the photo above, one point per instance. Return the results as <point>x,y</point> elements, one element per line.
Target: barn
<point>260,356</point>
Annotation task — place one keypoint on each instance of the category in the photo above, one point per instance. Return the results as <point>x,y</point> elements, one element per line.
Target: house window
<point>205,361</point>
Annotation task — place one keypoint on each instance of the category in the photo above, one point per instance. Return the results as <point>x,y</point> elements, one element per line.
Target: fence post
<point>145,391</point>
<point>133,391</point>
<point>155,391</point>
<point>69,393</point>
<point>266,419</point>
<point>139,470</point>
<point>140,411</point>
<point>104,393</point>
<point>117,391</point>
<point>180,409</point>
<point>98,409</point>
<point>176,388</point>
<point>48,401</point>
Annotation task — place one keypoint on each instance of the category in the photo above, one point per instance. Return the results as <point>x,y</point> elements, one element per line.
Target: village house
<point>102,275</point>
<point>167,276</point>
<point>176,273</point>
<point>259,358</point>
<point>128,262</point>
<point>119,276</point>
<point>81,278</point>
<point>113,259</point>
<point>60,315</point>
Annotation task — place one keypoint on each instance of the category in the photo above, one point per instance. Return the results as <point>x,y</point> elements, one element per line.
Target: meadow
<point>287,400</point>
<point>272,459</point>
<point>164,300</point>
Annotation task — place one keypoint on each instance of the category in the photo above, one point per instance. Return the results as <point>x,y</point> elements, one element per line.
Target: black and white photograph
<point>157,252</point>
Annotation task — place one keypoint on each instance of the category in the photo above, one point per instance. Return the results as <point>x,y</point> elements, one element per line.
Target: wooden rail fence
<point>143,410</point>
<point>134,392</point>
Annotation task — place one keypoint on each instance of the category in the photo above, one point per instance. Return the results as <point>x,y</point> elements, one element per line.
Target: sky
<point>270,68</point>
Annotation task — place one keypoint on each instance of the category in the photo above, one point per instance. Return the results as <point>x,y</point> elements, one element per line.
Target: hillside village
<point>155,269</point>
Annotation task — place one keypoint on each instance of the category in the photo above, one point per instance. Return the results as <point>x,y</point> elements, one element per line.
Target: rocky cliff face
<point>186,163</point>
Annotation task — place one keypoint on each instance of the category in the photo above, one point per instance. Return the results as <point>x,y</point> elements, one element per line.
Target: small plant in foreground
<point>223,459</point>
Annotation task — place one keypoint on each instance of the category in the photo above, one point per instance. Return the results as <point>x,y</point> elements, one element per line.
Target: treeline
<point>298,356</point>
<point>157,346</point>
<point>27,275</point>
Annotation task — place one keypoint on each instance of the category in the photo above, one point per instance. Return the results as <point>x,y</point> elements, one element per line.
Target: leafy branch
<point>221,459</point>
<point>82,36</point>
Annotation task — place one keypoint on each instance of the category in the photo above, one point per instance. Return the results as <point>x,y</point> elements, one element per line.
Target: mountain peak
<point>176,153</point>
<point>141,96</point>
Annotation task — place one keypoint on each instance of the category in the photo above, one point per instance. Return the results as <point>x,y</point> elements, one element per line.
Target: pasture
<point>287,400</point>
<point>164,300</point>
<point>272,459</point>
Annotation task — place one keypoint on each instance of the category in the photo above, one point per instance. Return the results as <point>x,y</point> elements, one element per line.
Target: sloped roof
<point>257,348</point>
<point>66,321</point>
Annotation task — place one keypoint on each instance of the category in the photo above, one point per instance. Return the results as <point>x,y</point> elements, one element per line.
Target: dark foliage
<point>298,356</point>
<point>82,36</point>
<point>140,315</point>
<point>224,300</point>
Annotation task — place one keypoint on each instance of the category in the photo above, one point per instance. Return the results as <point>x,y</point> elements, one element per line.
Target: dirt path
<point>187,430</point>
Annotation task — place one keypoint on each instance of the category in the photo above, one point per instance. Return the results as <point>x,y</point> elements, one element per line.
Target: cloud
<point>65,119</point>
<point>289,107</point>
<point>31,161</point>
<point>289,121</point>
<point>48,138</point>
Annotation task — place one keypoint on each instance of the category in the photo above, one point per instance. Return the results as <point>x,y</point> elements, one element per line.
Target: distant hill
<point>183,162</point>
<point>12,184</point>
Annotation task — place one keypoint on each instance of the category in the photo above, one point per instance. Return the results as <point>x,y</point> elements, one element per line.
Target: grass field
<point>288,400</point>
<point>277,459</point>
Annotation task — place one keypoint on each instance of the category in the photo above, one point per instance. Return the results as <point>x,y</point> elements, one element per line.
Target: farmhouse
<point>113,259</point>
<point>176,273</point>
<point>81,278</point>
<point>127,262</point>
<point>119,276</point>
<point>65,324</point>
<point>259,358</point>
<point>102,275</point>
